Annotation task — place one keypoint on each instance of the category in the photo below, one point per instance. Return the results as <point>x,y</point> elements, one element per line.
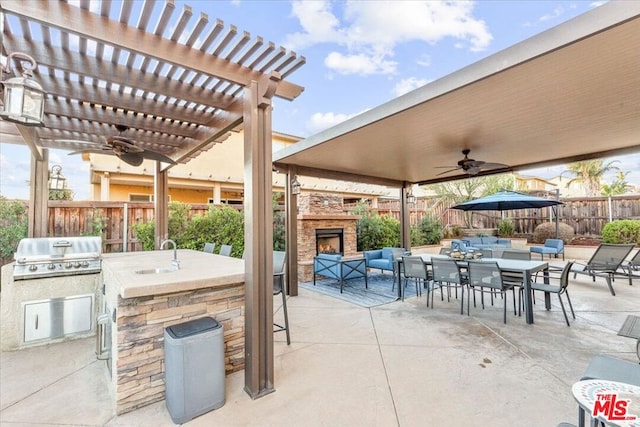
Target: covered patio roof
<point>568,94</point>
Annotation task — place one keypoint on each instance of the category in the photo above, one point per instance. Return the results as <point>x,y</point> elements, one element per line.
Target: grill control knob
<point>33,267</point>
<point>85,264</point>
<point>51,266</point>
<point>68,265</point>
<point>76,265</point>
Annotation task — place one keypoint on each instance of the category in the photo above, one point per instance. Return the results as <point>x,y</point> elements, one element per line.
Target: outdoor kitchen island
<point>143,295</point>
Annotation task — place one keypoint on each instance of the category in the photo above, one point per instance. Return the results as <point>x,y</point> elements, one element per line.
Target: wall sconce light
<point>56,180</point>
<point>23,97</point>
<point>411,199</point>
<point>295,185</point>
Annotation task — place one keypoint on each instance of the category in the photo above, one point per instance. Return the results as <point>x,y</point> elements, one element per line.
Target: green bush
<point>452,232</point>
<point>377,231</point>
<point>623,231</point>
<point>220,225</point>
<point>13,227</point>
<point>223,226</point>
<point>506,228</point>
<point>547,230</point>
<point>390,231</point>
<point>431,230</point>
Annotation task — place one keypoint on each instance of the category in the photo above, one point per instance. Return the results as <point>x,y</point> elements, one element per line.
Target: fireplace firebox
<point>329,241</point>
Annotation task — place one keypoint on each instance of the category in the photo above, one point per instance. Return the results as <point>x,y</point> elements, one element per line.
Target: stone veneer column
<point>140,323</point>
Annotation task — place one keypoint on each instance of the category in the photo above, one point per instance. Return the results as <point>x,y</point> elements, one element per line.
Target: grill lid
<point>41,249</point>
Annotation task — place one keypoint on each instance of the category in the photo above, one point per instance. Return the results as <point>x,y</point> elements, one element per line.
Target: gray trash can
<point>194,368</point>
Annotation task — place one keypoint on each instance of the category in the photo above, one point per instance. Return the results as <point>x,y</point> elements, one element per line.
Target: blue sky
<point>359,54</point>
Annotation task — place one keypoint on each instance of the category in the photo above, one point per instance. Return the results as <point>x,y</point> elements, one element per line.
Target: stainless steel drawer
<point>57,317</point>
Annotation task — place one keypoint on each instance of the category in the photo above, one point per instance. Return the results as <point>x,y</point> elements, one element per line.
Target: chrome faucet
<point>174,262</point>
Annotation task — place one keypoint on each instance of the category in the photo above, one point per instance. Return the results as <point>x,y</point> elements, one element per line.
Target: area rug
<point>379,289</point>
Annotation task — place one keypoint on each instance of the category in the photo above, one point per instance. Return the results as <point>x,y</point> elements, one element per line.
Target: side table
<point>613,403</point>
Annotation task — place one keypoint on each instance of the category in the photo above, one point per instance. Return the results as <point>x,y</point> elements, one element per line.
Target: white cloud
<point>359,64</point>
<point>407,85</point>
<point>372,29</point>
<point>322,121</point>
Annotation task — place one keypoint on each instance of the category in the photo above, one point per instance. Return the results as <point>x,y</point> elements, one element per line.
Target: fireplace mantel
<point>329,217</point>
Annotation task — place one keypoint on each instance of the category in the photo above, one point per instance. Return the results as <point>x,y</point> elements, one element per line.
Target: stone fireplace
<point>323,226</point>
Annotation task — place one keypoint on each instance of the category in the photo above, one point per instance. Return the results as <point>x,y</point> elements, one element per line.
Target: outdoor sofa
<point>486,242</point>
<point>334,267</point>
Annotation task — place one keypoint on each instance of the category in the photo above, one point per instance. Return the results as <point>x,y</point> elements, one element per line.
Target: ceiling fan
<point>125,149</point>
<point>471,166</point>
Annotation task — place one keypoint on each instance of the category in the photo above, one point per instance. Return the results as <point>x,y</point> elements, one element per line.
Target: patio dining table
<point>527,268</point>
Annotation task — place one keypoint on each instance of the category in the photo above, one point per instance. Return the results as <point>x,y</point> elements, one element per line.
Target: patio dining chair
<point>415,269</point>
<point>279,287</point>
<point>209,248</point>
<point>485,276</point>
<point>447,273</point>
<point>559,288</point>
<point>605,262</point>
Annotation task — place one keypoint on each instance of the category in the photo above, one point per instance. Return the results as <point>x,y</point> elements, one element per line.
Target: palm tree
<point>589,173</point>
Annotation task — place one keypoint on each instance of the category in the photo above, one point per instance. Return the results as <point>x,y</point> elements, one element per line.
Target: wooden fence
<point>586,216</point>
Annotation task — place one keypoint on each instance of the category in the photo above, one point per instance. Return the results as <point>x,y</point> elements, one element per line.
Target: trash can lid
<point>193,327</point>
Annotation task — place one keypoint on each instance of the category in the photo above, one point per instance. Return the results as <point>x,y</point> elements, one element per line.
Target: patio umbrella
<point>506,200</point>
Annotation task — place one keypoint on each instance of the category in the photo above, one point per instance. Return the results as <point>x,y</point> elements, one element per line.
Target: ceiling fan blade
<point>97,150</point>
<point>153,155</point>
<point>450,170</point>
<point>493,166</point>
<point>134,159</point>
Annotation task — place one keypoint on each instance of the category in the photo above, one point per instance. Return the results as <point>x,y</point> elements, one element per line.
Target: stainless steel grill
<point>57,256</point>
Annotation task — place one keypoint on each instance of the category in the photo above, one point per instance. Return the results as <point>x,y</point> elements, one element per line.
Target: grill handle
<point>62,244</point>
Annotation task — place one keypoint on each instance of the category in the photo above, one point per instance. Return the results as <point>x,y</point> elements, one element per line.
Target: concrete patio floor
<point>399,364</point>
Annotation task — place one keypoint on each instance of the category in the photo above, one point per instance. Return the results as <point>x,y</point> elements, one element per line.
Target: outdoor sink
<point>157,270</point>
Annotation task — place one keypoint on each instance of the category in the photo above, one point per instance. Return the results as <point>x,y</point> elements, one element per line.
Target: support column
<point>105,182</point>
<point>161,204</point>
<point>291,244</point>
<point>217,191</point>
<point>405,220</point>
<point>258,237</point>
<point>39,196</point>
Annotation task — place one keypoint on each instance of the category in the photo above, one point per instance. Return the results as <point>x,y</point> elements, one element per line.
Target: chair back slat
<point>279,258</point>
<point>564,276</point>
<point>414,267</point>
<point>485,274</point>
<point>445,270</point>
<point>609,256</point>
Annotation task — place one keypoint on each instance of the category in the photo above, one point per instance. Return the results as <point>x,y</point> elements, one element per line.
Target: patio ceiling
<point>569,94</point>
<point>175,80</point>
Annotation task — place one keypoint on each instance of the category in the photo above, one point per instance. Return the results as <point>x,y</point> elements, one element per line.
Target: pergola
<point>178,84</point>
<point>568,94</point>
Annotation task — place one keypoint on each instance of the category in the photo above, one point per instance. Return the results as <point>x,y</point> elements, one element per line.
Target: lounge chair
<point>632,267</point>
<point>605,262</point>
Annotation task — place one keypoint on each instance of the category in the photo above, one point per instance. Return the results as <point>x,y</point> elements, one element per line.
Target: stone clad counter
<point>145,304</point>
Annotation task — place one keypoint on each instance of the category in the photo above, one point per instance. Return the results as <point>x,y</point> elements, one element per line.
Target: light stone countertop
<point>198,270</point>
